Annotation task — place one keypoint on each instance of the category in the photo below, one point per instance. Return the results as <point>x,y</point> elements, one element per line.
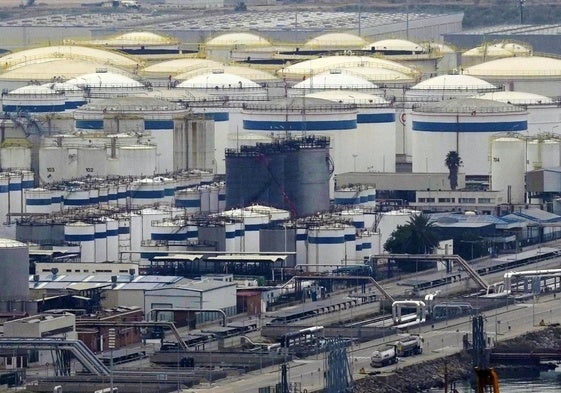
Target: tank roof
<point>298,104</point>
<point>33,89</point>
<point>335,79</point>
<point>144,38</point>
<point>350,97</point>
<point>176,66</point>
<point>230,40</point>
<point>211,80</point>
<point>315,66</point>
<point>131,103</point>
<point>42,54</point>
<point>57,68</point>
<point>453,82</point>
<point>335,40</point>
<point>516,98</point>
<point>250,73</point>
<point>393,44</point>
<point>104,80</point>
<point>467,105</point>
<point>518,66</point>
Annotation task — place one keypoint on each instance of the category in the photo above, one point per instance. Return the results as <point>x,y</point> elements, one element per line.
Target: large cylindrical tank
<point>301,246</point>
<point>161,135</point>
<point>136,235</point>
<point>33,99</point>
<point>94,195</point>
<point>146,192</point>
<point>205,199</point>
<point>16,192</point>
<point>15,157</point>
<point>326,247</point>
<point>4,196</point>
<point>125,238</point>
<point>92,161</point>
<point>189,199</point>
<point>112,254</point>
<point>389,221</point>
<point>355,217</point>
<point>230,244</point>
<point>100,242</point>
<point>76,198</point>
<point>136,161</point>
<point>213,199</point>
<point>543,153</point>
<point>508,165</point>
<point>57,200</point>
<point>57,163</point>
<point>14,269</point>
<point>459,125</point>
<point>350,246</point>
<point>83,234</point>
<point>38,200</point>
<point>103,194</point>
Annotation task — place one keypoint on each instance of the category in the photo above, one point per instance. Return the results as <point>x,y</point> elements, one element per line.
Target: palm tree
<point>453,162</point>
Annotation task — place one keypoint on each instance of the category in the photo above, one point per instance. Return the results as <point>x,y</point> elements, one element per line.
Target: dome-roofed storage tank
<point>508,166</point>
<point>34,99</point>
<point>14,269</point>
<point>460,125</point>
<point>334,41</point>
<point>533,74</point>
<point>543,112</point>
<point>334,79</point>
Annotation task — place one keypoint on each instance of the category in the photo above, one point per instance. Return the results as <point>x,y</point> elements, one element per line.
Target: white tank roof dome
<point>42,54</point>
<point>442,48</point>
<point>61,86</point>
<point>467,105</point>
<point>350,97</point>
<point>176,66</point>
<point>33,89</point>
<point>490,51</point>
<point>521,67</point>
<point>250,73</point>
<point>56,69</point>
<point>517,98</point>
<point>131,104</point>
<point>513,47</point>
<point>335,40</point>
<point>104,79</point>
<point>395,45</point>
<point>315,66</point>
<point>453,82</point>
<point>335,79</point>
<point>231,40</point>
<point>211,80</point>
<point>137,38</point>
<point>297,103</point>
<point>381,75</point>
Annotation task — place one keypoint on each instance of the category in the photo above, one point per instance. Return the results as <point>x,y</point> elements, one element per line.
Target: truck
<point>409,346</point>
<point>389,354</point>
<point>384,357</point>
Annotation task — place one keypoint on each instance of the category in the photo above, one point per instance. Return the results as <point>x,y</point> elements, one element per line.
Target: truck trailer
<point>406,346</point>
<point>409,346</point>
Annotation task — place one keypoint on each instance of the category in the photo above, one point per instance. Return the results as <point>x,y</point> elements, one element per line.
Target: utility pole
<point>521,5</point>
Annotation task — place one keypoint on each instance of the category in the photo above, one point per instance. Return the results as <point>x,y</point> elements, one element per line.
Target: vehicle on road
<point>406,346</point>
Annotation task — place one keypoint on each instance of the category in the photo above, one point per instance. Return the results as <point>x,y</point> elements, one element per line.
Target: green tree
<point>418,236</point>
<point>453,162</point>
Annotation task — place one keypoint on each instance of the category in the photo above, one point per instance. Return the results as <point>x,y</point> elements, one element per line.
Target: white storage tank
<point>139,160</point>
<point>205,199</point>
<point>75,197</point>
<point>4,196</point>
<point>103,194</point>
<point>100,242</point>
<point>83,234</point>
<point>301,245</point>
<point>125,237</point>
<point>374,147</point>
<point>57,200</point>
<point>94,195</point>
<point>189,199</point>
<point>15,190</point>
<point>213,199</point>
<point>92,161</point>
<point>230,244</point>
<point>543,153</point>
<point>459,125</point>
<point>326,247</point>
<point>508,167</point>
<point>146,192</point>
<point>14,269</point>
<point>15,157</point>
<point>56,164</point>
<point>38,200</point>
<point>221,196</point>
<point>389,221</point>
<point>33,99</point>
<point>350,246</point>
<point>112,254</point>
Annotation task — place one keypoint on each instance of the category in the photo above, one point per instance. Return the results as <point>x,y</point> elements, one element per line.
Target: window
<point>446,200</point>
<point>484,200</point>
<point>466,200</point>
